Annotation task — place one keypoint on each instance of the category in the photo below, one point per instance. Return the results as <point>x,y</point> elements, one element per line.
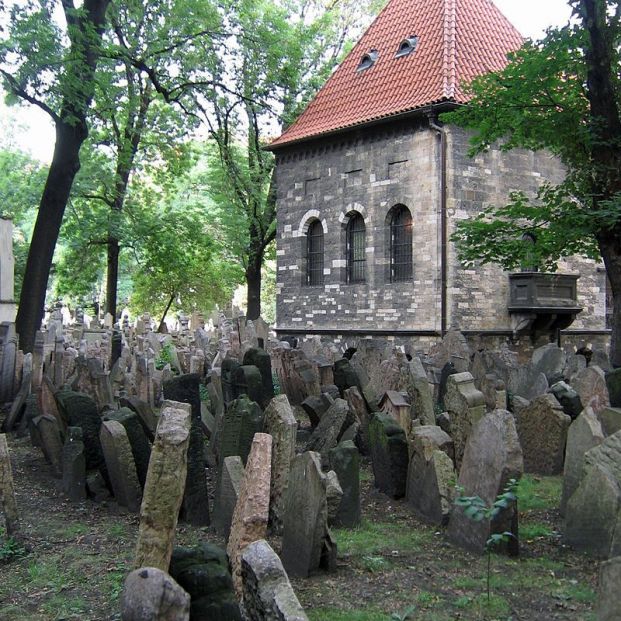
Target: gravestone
<point>431,474</point>
<point>8,352</point>
<point>74,465</point>
<point>330,428</point>
<point>389,455</point>
<point>7,490</point>
<point>146,415</point>
<point>613,383</point>
<point>51,440</point>
<point>185,389</point>
<point>47,402</point>
<point>568,398</point>
<point>345,461</point>
<point>140,447</point>
<point>542,430</point>
<point>492,457</point>
<point>229,366</point>
<point>163,491</point>
<point>241,421</point>
<point>590,384</point>
<point>609,594</point>
<point>465,406</point>
<point>150,594</point>
<point>526,381</point>
<point>610,419</point>
<point>447,370</point>
<point>227,493</point>
<point>334,495</point>
<point>306,542</point>
<point>203,571</point>
<point>282,426</point>
<point>251,513</point>
<point>267,592</point>
<point>345,376</point>
<point>247,380</point>
<point>261,359</point>
<point>360,410</point>
<point>19,403</point>
<point>594,510</point>
<point>583,434</point>
<point>551,361</point>
<point>315,407</point>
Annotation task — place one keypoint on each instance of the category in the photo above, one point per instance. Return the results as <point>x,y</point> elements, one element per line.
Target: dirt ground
<point>71,561</point>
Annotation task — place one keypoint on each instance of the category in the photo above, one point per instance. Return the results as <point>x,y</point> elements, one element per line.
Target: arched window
<point>356,249</point>
<point>400,244</point>
<point>314,254</point>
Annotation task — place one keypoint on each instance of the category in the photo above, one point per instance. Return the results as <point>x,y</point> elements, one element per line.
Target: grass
<point>482,608</point>
<point>372,538</point>
<point>534,530</point>
<point>334,614</point>
<point>539,493</point>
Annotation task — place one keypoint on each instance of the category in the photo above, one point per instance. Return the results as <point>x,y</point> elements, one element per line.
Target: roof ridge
<point>449,41</point>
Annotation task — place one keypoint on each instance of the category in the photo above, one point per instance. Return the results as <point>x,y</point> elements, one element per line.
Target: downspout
<point>441,131</point>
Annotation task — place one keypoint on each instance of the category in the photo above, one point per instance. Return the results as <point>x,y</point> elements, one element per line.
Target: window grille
<point>314,254</point>
<point>401,245</point>
<point>356,249</point>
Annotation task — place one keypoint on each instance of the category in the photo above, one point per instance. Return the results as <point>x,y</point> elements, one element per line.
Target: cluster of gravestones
<point>424,421</point>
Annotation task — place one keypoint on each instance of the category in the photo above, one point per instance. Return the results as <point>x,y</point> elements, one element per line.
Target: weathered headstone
<point>542,429</point>
<point>227,494</point>
<point>150,594</point>
<point>609,594</point>
<point>360,410</point>
<point>330,428</point>
<point>492,458</point>
<point>8,352</point>
<point>465,406</point>
<point>7,489</point>
<point>613,383</point>
<point>267,592</point>
<point>389,454</point>
<point>590,384</point>
<point>74,465</point>
<point>306,540</point>
<point>147,417</point>
<point>163,491</point>
<point>583,434</point>
<point>593,511</point>
<point>334,495</point>
<point>550,360</point>
<point>241,421</point>
<point>185,389</point>
<point>203,571</point>
<point>345,461</point>
<point>282,426</point>
<point>51,440</point>
<point>251,513</point>
<point>261,359</point>
<point>120,463</point>
<point>526,381</point>
<point>610,419</point>
<point>568,398</point>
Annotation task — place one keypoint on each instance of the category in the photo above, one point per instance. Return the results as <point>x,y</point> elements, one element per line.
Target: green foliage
<point>335,614</point>
<point>406,614</point>
<point>164,357</point>
<point>10,548</point>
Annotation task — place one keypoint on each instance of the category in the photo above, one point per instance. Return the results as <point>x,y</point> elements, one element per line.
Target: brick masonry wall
<point>371,171</point>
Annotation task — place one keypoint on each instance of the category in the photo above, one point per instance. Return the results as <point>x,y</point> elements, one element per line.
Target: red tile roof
<point>457,40</point>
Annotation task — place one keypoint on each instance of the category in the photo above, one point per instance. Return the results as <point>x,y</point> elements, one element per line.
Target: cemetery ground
<point>73,559</point>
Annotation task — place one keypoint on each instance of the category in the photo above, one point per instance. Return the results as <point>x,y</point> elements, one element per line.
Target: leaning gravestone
<point>526,381</point>
<point>147,417</point>
<point>330,428</point>
<point>251,513</point>
<point>593,511</point>
<point>261,359</point>
<point>492,458</point>
<point>51,440</point>
<point>568,398</point>
<point>542,429</point>
<point>465,406</point>
<point>306,540</point>
<point>610,419</point>
<point>120,463</point>
<point>590,384</point>
<point>389,454</point>
<point>150,594</point>
<point>551,361</point>
<point>267,592</point>
<point>584,433</point>
<point>141,449</point>
<point>185,389</point>
<point>345,461</point>
<point>74,465</point>
<point>163,491</point>
<point>282,426</point>
<point>7,489</point>
<point>431,474</point>
<point>203,571</point>
<point>247,380</point>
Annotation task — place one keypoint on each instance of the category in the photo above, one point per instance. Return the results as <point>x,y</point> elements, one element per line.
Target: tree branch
<point>20,92</point>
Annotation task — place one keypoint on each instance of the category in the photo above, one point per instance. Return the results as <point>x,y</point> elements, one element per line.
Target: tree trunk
<point>160,328</point>
<point>65,164</point>
<point>112,276</point>
<point>610,248</point>
<point>253,283</point>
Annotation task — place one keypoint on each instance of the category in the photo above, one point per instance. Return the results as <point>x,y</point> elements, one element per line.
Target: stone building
<point>371,183</point>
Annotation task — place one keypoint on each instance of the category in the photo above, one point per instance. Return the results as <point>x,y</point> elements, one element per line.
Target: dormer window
<point>368,60</point>
<point>407,46</point>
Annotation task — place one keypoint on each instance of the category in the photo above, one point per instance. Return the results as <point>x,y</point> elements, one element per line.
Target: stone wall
<point>370,171</point>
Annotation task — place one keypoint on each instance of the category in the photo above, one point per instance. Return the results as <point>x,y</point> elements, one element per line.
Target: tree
<point>562,94</point>
<point>53,68</point>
